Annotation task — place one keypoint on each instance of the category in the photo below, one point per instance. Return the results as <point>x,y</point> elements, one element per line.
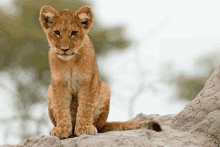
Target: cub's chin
<point>65,57</point>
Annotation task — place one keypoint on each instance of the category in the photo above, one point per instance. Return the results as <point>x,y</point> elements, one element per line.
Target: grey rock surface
<point>202,114</point>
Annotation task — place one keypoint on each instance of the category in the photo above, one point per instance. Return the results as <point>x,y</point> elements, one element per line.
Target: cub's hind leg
<point>101,111</point>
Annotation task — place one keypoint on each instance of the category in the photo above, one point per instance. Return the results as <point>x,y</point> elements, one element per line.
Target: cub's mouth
<point>65,56</point>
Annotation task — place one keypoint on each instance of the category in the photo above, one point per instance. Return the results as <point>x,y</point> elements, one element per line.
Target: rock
<point>169,137</point>
<point>202,114</point>
<point>43,141</point>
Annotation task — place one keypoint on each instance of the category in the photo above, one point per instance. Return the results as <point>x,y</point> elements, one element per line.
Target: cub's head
<point>66,30</point>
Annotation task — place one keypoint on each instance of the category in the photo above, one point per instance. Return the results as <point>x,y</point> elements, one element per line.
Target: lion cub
<point>78,100</point>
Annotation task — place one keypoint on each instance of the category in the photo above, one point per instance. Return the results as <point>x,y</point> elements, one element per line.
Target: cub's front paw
<point>61,131</point>
<point>85,129</point>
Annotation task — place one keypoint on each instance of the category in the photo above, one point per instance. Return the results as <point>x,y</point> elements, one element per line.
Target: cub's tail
<point>131,125</point>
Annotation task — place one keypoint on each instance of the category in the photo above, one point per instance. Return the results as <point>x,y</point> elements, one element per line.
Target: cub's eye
<point>73,33</point>
<point>57,32</point>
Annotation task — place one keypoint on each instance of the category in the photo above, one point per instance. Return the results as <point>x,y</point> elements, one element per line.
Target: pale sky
<point>4,2</point>
<point>8,7</point>
<point>166,30</point>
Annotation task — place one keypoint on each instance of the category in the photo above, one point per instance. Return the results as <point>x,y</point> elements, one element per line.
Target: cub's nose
<point>65,49</point>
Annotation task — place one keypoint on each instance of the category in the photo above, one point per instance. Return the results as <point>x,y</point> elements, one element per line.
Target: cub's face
<point>66,30</point>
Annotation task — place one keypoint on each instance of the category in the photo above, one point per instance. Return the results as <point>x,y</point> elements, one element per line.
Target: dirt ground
<point>197,125</point>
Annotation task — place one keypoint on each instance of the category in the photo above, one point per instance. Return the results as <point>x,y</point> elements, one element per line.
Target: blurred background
<point>155,55</point>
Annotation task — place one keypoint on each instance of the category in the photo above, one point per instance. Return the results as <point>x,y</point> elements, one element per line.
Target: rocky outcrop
<point>202,114</point>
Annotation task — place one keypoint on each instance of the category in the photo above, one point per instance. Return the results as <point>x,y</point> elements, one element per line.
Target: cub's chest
<point>72,82</point>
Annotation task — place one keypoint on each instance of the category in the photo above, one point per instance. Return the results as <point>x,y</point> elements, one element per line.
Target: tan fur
<point>78,100</point>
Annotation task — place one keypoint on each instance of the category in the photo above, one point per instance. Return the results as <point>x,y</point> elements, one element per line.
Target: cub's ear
<point>47,14</point>
<point>85,17</point>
